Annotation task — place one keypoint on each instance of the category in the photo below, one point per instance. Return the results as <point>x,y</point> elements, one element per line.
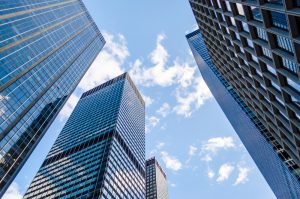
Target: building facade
<point>100,152</point>
<point>45,49</point>
<point>277,167</point>
<point>156,180</point>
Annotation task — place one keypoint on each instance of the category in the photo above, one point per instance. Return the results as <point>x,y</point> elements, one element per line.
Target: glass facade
<point>45,49</point>
<point>156,181</point>
<point>277,167</point>
<point>272,43</point>
<point>100,152</point>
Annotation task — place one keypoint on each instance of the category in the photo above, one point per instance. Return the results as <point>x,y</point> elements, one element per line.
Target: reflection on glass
<point>279,20</point>
<point>240,9</point>
<point>256,13</point>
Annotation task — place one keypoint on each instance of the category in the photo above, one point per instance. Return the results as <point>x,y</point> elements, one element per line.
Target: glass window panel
<point>256,13</point>
<point>228,8</point>
<point>232,21</point>
<point>250,43</point>
<point>290,65</point>
<point>245,26</point>
<point>285,43</point>
<point>262,34</point>
<point>279,20</point>
<point>240,9</point>
<point>278,2</point>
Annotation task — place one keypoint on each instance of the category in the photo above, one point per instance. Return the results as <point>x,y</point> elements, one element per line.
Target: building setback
<point>156,181</point>
<point>45,49</point>
<point>274,163</point>
<point>100,152</point>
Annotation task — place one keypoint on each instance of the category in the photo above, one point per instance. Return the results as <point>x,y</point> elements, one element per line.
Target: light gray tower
<point>156,181</point>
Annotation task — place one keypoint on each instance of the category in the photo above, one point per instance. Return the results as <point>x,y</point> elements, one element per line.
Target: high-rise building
<point>45,49</point>
<point>156,181</point>
<point>277,167</point>
<point>100,152</point>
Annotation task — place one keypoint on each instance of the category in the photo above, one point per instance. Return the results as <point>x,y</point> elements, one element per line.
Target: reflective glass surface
<point>274,163</point>
<point>45,49</point>
<point>101,149</point>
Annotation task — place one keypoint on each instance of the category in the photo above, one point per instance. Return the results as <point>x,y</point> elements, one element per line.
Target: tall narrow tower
<point>101,149</point>
<point>277,167</point>
<point>156,181</point>
<point>45,49</point>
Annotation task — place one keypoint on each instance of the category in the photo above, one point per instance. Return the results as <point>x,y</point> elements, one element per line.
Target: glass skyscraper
<point>100,152</point>
<point>45,49</point>
<point>156,181</point>
<point>277,167</point>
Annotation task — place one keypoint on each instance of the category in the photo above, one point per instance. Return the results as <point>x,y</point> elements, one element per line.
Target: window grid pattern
<point>45,49</point>
<point>92,156</point>
<point>156,181</point>
<point>276,165</point>
<point>242,73</point>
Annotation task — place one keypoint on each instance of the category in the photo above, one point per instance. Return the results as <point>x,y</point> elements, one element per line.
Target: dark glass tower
<point>277,167</point>
<point>100,152</point>
<point>156,181</point>
<point>45,49</point>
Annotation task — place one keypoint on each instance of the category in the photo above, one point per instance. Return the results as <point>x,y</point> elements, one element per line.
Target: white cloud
<point>164,110</point>
<point>170,162</point>
<point>173,185</point>
<point>108,63</point>
<point>151,122</point>
<point>211,147</point>
<point>190,100</point>
<point>191,91</point>
<point>160,73</point>
<point>148,100</point>
<point>192,150</point>
<point>157,147</point>
<point>224,172</point>
<point>12,192</point>
<point>160,145</point>
<point>243,175</point>
<point>68,107</point>
<point>217,143</point>
<point>210,173</point>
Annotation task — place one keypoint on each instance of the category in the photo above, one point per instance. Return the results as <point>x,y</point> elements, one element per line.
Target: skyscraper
<point>156,181</point>
<point>277,167</point>
<point>45,49</point>
<point>100,152</point>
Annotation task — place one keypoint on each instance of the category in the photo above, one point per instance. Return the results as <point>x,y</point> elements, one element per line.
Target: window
<point>219,4</point>
<point>240,9</point>
<point>228,8</point>
<point>279,20</point>
<point>250,43</point>
<point>242,50</point>
<point>290,65</point>
<point>245,26</point>
<point>254,58</point>
<point>237,36</point>
<point>271,69</point>
<point>277,2</point>
<point>293,84</point>
<point>256,13</point>
<point>232,21</point>
<point>285,43</point>
<point>262,34</point>
<point>227,30</point>
<point>267,52</point>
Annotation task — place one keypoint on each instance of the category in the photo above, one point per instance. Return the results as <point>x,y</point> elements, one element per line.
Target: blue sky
<point>186,129</point>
